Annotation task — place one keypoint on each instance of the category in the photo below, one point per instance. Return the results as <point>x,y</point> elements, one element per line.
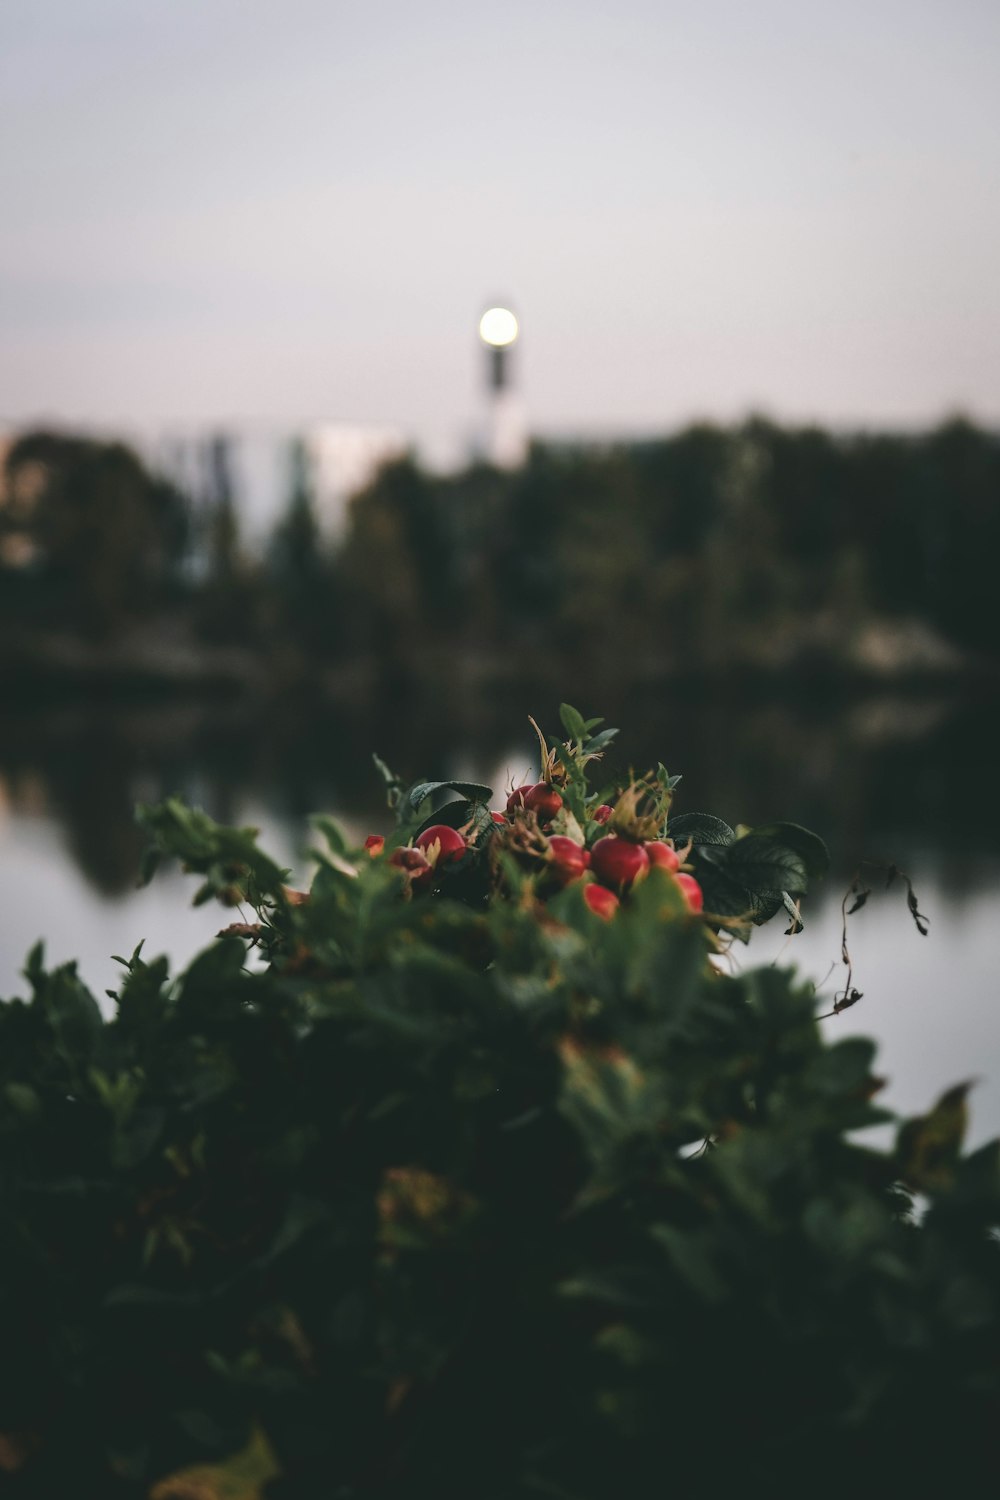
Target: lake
<point>902,779</point>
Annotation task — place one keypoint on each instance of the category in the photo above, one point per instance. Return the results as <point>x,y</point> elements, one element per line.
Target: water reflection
<point>907,779</point>
<point>874,775</point>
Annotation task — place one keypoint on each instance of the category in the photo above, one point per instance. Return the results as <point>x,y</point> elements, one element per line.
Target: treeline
<point>711,550</point>
<point>90,541</point>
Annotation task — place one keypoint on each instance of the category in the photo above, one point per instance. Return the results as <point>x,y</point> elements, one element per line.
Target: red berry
<point>602,902</point>
<point>692,890</point>
<point>543,800</point>
<point>374,843</point>
<point>450,844</point>
<point>602,814</point>
<point>661,854</point>
<point>516,799</point>
<point>499,819</point>
<point>618,862</point>
<point>568,861</point>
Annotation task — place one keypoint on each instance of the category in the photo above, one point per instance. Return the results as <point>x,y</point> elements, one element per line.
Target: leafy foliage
<point>103,537</point>
<point>467,1192</point>
<point>714,550</point>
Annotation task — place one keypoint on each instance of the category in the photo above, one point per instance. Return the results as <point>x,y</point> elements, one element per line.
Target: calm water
<point>909,780</point>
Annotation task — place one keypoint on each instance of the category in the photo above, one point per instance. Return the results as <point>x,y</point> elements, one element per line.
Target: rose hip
<point>661,854</point>
<point>618,862</point>
<point>515,801</point>
<point>566,859</point>
<point>602,902</point>
<point>692,891</point>
<point>543,800</point>
<point>450,844</point>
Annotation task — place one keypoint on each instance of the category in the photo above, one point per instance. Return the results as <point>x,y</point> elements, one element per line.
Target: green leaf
<point>229,858</point>
<point>332,833</point>
<point>572,722</point>
<point>72,1011</point>
<point>665,779</point>
<point>23,1100</point>
<point>393,785</point>
<point>928,1147</point>
<point>418,794</point>
<point>977,1183</point>
<point>692,1259</point>
<point>34,964</point>
<point>149,862</point>
<point>700,828</point>
<point>844,1068</point>
<point>600,742</point>
<point>810,848</point>
<point>764,905</point>
<point>243,1476</point>
<point>135,1139</point>
<point>620,1287</point>
<point>133,962</point>
<point>759,864</point>
<point>302,1215</point>
<point>456,815</point>
<point>970,1303</point>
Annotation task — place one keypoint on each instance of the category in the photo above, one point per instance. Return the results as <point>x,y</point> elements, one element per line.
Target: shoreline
<point>891,655</point>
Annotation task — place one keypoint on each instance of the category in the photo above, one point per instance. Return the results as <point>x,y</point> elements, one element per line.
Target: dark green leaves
<point>235,869</point>
<point>758,863</point>
<point>699,828</point>
<point>928,1148</point>
<point>663,776</point>
<point>474,817</point>
<point>462,1191</point>
<point>573,722</point>
<point>70,1010</point>
<point>393,785</point>
<point>412,801</point>
<point>581,732</point>
<point>752,876</point>
<point>808,846</point>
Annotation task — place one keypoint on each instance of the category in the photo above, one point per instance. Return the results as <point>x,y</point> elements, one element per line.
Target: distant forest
<point>716,550</point>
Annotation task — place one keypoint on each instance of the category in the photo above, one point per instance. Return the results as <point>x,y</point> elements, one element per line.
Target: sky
<point>284,211</point>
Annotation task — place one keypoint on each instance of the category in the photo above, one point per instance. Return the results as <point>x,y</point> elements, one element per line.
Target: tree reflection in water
<point>877,776</point>
<point>907,779</point>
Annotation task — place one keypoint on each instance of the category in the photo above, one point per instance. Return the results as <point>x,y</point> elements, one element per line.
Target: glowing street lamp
<point>507,442</point>
<point>498,330</point>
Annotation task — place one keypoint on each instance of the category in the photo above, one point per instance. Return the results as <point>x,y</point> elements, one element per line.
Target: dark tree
<point>106,536</point>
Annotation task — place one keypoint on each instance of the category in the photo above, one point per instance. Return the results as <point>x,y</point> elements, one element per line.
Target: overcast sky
<point>282,210</point>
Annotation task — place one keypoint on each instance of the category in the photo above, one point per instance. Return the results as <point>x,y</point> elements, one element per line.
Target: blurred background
<point>727,470</point>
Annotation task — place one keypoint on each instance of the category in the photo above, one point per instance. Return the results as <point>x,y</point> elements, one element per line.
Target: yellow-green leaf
<point>240,1477</point>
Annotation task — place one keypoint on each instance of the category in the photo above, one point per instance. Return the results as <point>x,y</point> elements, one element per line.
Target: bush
<point>460,1190</point>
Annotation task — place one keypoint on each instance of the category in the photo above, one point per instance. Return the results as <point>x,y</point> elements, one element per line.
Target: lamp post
<point>507,443</point>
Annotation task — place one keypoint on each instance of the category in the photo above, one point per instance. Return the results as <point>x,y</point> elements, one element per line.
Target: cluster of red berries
<point>429,852</point>
<point>610,866</point>
<point>615,862</point>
